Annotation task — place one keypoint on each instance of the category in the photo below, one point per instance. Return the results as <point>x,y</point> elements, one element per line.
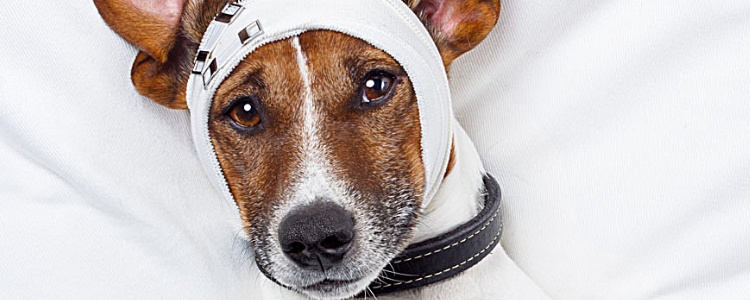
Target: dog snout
<point>317,236</point>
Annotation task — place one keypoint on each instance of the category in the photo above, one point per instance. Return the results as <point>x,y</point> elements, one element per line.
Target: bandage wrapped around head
<point>389,25</point>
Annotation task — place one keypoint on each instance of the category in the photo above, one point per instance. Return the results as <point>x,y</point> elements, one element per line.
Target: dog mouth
<point>329,284</point>
<point>331,288</point>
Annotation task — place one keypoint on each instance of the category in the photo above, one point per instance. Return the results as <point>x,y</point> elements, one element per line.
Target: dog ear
<point>153,26</point>
<point>457,26</point>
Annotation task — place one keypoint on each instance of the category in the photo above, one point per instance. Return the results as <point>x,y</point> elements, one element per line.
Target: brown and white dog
<point>322,128</point>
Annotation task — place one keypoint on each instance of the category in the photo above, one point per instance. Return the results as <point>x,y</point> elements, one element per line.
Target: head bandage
<point>389,25</point>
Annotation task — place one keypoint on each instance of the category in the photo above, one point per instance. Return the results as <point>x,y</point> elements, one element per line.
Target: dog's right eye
<point>244,113</point>
<point>377,88</point>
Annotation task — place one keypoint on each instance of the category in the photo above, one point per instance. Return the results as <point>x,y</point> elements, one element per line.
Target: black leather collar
<point>446,255</point>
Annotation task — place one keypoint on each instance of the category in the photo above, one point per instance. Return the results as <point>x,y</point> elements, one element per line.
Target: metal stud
<point>250,32</point>
<point>209,72</point>
<point>200,62</point>
<point>228,13</point>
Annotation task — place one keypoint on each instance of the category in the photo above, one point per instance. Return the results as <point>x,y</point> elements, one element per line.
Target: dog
<point>322,128</point>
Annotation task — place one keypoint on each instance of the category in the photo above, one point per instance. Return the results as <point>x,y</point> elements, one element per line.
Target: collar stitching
<point>451,245</point>
<point>494,239</point>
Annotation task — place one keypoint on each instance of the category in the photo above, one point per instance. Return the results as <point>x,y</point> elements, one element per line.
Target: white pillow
<point>101,193</point>
<point>620,134</point>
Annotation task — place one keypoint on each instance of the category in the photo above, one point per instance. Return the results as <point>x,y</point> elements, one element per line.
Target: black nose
<point>317,236</point>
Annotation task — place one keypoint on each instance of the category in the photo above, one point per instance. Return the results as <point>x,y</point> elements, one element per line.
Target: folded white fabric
<point>620,134</point>
<point>101,192</point>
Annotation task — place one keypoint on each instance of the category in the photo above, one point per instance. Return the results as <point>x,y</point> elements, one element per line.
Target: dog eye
<point>244,113</point>
<point>377,87</point>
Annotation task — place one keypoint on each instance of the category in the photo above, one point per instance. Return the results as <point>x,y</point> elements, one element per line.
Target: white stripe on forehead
<point>314,179</point>
<point>308,105</point>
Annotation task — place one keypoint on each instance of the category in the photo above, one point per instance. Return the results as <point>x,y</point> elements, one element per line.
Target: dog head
<point>318,135</point>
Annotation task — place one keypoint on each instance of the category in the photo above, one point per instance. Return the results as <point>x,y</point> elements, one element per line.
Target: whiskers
<point>384,278</point>
<point>396,273</point>
<point>241,247</point>
<point>367,289</point>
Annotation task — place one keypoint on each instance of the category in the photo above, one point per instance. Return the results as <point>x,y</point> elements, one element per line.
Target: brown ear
<point>457,26</point>
<point>153,26</point>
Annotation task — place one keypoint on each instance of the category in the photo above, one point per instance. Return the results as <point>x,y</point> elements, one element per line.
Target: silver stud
<point>229,12</point>
<point>250,32</point>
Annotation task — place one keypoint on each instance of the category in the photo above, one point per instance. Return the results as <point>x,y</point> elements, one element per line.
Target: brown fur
<point>257,166</point>
<point>451,160</point>
<point>476,18</point>
<point>362,141</point>
<point>162,67</point>
<point>154,35</point>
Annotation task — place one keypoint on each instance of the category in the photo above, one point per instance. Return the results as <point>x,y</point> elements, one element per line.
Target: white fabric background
<point>101,193</point>
<point>617,129</point>
<point>620,134</point>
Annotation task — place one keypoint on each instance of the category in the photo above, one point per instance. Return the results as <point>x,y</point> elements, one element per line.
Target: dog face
<point>318,135</point>
<point>318,121</point>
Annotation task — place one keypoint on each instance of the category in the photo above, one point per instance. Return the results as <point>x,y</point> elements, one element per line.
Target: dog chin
<point>336,289</point>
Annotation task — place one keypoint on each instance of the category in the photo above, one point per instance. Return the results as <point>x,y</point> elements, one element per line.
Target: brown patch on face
<point>368,145</point>
<point>257,163</point>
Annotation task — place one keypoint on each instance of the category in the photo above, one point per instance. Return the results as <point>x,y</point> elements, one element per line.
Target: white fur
<point>459,198</point>
<point>315,178</point>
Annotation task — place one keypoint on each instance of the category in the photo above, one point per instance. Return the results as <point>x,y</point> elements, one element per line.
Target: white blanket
<point>620,134</point>
<point>617,129</point>
<point>101,194</point>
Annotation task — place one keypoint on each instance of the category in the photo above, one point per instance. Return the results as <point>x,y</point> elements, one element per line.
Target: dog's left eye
<point>377,87</point>
<point>244,113</point>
